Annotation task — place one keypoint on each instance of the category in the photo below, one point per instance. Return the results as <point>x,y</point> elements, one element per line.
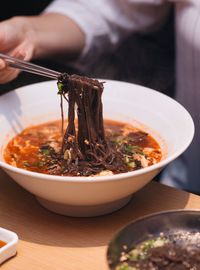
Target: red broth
<point>30,150</point>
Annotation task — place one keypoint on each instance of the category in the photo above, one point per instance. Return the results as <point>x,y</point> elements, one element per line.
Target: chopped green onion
<point>60,88</point>
<point>132,164</point>
<point>125,266</point>
<point>38,164</point>
<point>41,163</point>
<point>45,151</point>
<point>128,148</point>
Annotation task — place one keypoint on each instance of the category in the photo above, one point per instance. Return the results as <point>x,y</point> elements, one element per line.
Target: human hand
<point>50,35</point>
<point>15,40</point>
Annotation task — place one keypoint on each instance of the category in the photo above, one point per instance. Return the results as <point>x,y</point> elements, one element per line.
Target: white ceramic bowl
<point>158,114</point>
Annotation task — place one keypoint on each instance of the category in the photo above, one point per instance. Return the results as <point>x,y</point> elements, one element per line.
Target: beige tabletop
<point>50,241</point>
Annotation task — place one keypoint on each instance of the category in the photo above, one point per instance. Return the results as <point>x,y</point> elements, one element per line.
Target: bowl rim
<point>143,219</point>
<point>155,214</point>
<point>115,177</point>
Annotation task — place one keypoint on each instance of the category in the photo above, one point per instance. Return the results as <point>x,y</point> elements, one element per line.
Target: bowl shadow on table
<point>30,221</point>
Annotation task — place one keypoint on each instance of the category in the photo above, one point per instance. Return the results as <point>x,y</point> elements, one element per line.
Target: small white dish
<point>10,248</point>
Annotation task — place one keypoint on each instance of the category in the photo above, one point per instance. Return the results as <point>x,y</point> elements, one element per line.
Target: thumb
<point>8,73</point>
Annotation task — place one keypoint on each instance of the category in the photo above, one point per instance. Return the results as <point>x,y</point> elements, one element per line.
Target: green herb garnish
<point>128,148</point>
<point>60,88</point>
<point>45,151</point>
<point>41,163</point>
<point>125,266</point>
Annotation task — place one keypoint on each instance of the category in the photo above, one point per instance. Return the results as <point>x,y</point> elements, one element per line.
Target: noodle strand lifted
<point>86,150</point>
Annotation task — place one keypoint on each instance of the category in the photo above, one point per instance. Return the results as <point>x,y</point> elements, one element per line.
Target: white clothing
<point>107,22</point>
<point>188,81</point>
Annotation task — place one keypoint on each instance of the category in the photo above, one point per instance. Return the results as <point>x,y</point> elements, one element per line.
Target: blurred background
<point>145,59</point>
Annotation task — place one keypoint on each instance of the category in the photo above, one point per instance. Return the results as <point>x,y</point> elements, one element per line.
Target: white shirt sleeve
<point>106,23</point>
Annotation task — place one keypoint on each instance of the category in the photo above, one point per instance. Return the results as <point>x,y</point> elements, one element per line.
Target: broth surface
<point>36,147</point>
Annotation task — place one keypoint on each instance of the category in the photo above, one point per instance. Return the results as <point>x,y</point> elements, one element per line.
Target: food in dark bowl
<point>168,241</point>
<point>177,251</point>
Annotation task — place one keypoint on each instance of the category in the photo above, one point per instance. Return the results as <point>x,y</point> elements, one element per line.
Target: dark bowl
<point>169,223</point>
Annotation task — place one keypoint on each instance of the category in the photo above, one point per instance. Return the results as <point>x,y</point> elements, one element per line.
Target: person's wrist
<point>55,36</point>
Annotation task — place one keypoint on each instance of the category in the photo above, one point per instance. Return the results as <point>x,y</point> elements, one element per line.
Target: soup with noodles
<point>89,146</point>
<point>37,149</point>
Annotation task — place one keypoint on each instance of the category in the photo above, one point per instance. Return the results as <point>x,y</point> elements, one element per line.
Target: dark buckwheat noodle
<point>85,150</point>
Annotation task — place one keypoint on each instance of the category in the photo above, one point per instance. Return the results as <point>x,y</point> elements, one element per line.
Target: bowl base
<point>84,210</point>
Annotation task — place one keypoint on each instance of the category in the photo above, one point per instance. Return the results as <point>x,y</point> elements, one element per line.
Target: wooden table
<point>50,241</point>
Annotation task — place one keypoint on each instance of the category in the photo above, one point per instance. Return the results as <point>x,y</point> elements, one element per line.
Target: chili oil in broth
<point>36,149</point>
